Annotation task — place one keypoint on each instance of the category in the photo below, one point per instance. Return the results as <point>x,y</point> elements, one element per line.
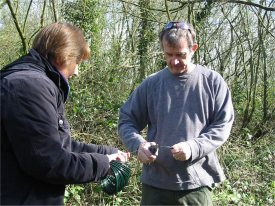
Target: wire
<point>120,174</point>
<point>118,179</point>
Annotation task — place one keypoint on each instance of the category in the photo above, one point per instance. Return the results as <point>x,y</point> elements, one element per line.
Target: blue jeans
<point>195,197</point>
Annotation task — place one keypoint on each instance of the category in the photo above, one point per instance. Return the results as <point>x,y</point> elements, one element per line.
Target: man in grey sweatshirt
<point>188,112</point>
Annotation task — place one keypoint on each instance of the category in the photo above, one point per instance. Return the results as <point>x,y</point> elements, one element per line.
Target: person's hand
<point>181,151</point>
<point>121,156</point>
<point>144,154</point>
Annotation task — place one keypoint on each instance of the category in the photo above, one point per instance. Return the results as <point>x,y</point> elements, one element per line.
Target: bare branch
<point>54,11</point>
<point>42,14</point>
<point>167,10</point>
<point>249,4</point>
<point>20,32</point>
<point>27,14</point>
<point>228,1</point>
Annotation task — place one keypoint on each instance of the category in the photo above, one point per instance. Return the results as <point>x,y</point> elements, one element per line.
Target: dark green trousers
<point>196,197</point>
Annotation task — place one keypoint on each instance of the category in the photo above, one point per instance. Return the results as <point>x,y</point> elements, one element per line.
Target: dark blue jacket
<point>38,156</point>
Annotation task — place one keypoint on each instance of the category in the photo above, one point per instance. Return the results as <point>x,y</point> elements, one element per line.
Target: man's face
<point>178,57</point>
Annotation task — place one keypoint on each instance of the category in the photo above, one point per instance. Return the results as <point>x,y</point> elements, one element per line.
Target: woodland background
<point>235,37</point>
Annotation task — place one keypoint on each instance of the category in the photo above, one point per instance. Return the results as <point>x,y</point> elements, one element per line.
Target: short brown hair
<point>63,41</point>
<point>176,30</point>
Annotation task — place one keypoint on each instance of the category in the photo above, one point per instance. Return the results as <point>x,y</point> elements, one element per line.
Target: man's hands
<point>181,151</point>
<point>122,156</point>
<point>144,154</point>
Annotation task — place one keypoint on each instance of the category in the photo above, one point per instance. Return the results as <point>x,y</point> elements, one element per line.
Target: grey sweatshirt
<point>195,108</point>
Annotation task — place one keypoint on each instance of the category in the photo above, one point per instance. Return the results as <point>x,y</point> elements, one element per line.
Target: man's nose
<point>175,61</point>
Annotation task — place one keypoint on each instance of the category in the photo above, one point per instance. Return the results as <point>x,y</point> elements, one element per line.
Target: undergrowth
<point>249,167</point>
<point>248,163</point>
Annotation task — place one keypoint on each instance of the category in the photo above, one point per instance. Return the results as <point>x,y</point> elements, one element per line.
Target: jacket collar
<point>43,65</point>
<point>52,73</point>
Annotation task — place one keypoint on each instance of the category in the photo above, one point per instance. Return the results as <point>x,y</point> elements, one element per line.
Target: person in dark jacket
<point>38,156</point>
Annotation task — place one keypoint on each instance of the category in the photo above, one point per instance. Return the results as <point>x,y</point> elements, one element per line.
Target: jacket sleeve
<point>32,129</point>
<point>217,132</point>
<point>92,148</point>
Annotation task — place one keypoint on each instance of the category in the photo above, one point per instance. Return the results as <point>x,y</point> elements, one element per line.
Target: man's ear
<point>194,47</point>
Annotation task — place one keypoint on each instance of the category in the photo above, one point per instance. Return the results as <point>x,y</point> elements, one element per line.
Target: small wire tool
<point>154,148</point>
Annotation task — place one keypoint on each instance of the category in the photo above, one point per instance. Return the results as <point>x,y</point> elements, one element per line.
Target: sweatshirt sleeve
<point>217,132</point>
<point>32,128</point>
<point>133,118</point>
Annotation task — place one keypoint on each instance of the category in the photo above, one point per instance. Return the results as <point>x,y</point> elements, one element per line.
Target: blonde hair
<point>62,41</point>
